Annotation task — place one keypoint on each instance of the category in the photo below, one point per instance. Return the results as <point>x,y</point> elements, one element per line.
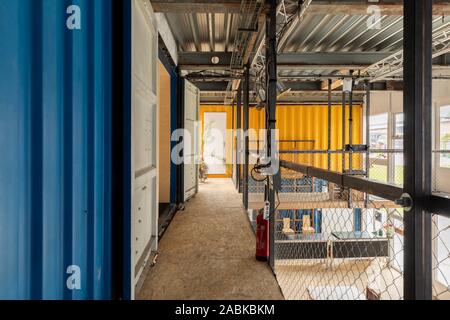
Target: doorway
<point>217,140</point>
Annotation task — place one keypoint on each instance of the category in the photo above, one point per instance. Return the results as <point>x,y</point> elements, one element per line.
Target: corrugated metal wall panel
<point>55,131</point>
<point>309,122</point>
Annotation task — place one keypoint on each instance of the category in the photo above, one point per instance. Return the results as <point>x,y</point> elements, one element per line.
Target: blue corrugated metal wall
<point>55,149</point>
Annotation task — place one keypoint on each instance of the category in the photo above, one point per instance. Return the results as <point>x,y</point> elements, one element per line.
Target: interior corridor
<point>208,252</point>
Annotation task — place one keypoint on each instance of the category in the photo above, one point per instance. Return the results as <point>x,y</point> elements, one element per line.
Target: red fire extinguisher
<point>262,234</point>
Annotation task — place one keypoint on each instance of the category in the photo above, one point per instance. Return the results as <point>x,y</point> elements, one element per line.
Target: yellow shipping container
<point>302,127</point>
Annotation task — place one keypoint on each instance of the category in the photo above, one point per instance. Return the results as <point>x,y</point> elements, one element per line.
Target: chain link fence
<point>336,243</point>
<point>330,243</point>
<point>441,257</point>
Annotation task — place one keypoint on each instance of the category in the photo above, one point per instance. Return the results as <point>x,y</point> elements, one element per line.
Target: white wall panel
<point>191,146</point>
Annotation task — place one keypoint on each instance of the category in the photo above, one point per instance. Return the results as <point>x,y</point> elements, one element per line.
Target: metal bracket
<point>405,201</point>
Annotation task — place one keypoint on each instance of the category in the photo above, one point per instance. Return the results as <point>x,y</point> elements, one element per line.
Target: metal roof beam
<point>319,60</point>
<point>350,7</point>
<point>196,6</point>
<point>360,7</point>
<point>330,58</point>
<point>393,65</point>
<point>313,87</point>
<point>204,60</point>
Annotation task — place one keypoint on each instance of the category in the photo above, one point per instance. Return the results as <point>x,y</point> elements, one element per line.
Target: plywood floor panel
<point>208,252</point>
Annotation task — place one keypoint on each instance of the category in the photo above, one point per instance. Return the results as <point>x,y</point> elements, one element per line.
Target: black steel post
<point>246,138</point>
<point>271,60</point>
<point>350,128</point>
<point>367,83</point>
<point>343,130</point>
<point>350,139</point>
<point>329,123</point>
<point>239,138</point>
<point>417,146</point>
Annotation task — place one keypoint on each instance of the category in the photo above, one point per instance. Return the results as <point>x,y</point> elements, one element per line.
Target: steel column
<point>418,143</point>
<point>329,122</point>
<point>246,138</point>
<point>350,128</point>
<point>271,54</point>
<point>343,130</point>
<point>350,140</point>
<point>239,137</point>
<point>367,83</point>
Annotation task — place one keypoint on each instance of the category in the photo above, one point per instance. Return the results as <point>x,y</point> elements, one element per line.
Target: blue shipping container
<point>55,166</point>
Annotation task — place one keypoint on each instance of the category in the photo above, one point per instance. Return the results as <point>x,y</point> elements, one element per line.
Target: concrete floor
<point>208,252</point>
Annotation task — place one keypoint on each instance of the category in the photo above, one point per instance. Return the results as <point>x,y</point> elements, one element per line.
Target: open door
<point>144,144</point>
<point>191,141</point>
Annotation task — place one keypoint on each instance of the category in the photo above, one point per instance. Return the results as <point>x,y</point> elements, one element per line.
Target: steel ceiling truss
<point>393,65</point>
<point>285,24</point>
<point>249,21</point>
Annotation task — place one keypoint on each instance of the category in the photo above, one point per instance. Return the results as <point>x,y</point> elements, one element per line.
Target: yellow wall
<point>311,123</point>
<point>304,122</point>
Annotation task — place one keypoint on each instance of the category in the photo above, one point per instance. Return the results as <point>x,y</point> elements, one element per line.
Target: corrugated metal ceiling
<point>204,32</point>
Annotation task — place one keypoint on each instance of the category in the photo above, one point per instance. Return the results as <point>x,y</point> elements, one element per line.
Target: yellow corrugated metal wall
<point>308,123</point>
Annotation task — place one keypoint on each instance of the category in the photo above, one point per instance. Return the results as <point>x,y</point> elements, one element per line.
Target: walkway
<point>208,252</point>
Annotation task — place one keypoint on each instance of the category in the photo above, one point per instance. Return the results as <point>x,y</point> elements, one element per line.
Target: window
<point>398,145</point>
<point>398,127</point>
<point>444,136</point>
<point>379,131</point>
<point>378,141</point>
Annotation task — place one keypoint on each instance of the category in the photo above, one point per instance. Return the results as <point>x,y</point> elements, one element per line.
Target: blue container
<point>55,164</point>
